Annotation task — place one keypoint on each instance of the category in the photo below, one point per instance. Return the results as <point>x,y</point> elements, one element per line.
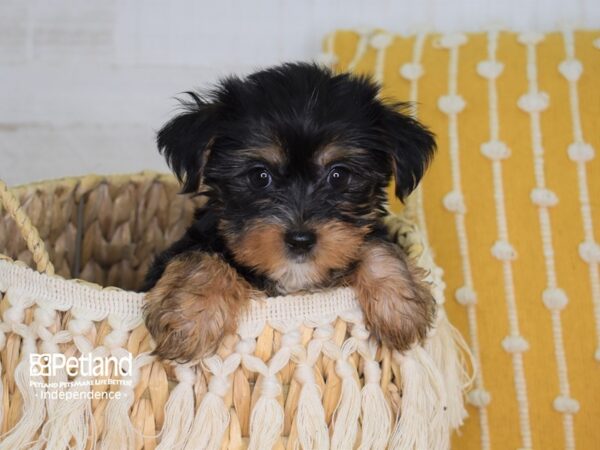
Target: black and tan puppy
<point>294,162</point>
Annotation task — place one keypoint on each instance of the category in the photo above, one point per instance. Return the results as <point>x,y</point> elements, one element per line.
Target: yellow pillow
<point>511,206</point>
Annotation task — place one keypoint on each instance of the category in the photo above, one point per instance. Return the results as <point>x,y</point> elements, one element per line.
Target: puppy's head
<point>295,161</point>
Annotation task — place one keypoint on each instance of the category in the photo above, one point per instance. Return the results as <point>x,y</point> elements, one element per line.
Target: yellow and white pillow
<point>511,206</point>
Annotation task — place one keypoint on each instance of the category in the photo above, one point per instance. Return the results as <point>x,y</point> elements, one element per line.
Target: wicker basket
<point>301,373</point>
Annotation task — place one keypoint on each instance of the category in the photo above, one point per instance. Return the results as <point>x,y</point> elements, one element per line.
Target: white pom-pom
<point>571,69</point>
<point>381,40</point>
<point>411,71</point>
<point>534,101</point>
<point>495,150</point>
<point>531,37</point>
<point>580,152</point>
<point>543,197</point>
<point>452,40</point>
<point>327,59</point>
<point>363,31</point>
<point>589,251</point>
<point>504,251</point>
<point>490,69</point>
<point>465,296</point>
<point>479,397</point>
<point>451,104</point>
<point>453,202</point>
<point>515,344</point>
<point>565,404</point>
<point>597,43</point>
<point>597,354</point>
<point>555,298</point>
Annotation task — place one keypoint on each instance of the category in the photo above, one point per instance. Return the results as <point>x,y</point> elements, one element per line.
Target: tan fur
<point>332,153</point>
<point>198,299</point>
<point>262,247</point>
<point>398,306</point>
<point>194,304</point>
<point>273,155</point>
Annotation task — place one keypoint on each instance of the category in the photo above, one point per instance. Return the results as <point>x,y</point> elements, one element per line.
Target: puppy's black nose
<point>300,241</point>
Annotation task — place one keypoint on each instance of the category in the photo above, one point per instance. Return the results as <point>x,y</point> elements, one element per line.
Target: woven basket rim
<point>99,301</point>
<point>125,176</point>
<point>62,294</point>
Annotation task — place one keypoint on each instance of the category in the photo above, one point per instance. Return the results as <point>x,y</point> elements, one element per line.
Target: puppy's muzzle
<point>300,242</point>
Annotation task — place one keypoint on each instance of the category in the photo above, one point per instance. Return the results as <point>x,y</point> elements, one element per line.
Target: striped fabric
<point>511,207</point>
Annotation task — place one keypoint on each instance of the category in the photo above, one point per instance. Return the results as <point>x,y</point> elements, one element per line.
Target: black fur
<point>298,108</point>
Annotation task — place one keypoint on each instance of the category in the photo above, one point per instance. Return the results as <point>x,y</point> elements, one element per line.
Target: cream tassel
<point>376,413</point>
<point>179,411</point>
<point>34,410</point>
<point>310,416</point>
<point>212,417</point>
<point>44,319</point>
<point>266,421</point>
<point>449,352</point>
<point>70,419</point>
<point>118,431</point>
<point>422,422</point>
<point>347,411</point>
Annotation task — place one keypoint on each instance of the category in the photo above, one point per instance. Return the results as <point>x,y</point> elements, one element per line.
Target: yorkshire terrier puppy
<point>294,162</point>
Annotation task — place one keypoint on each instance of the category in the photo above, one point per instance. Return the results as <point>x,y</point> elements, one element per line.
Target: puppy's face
<point>295,161</point>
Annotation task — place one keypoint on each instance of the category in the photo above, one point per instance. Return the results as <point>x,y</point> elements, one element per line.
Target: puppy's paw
<point>193,306</point>
<point>398,306</point>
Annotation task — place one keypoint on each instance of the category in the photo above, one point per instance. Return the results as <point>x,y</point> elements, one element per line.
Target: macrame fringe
<point>449,352</point>
<point>376,416</point>
<point>118,430</point>
<point>179,411</point>
<point>346,414</point>
<point>310,416</point>
<point>210,423</point>
<point>266,420</point>
<point>34,408</point>
<point>422,422</point>
<point>69,423</point>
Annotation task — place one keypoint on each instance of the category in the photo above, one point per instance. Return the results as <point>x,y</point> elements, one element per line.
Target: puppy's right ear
<point>185,141</point>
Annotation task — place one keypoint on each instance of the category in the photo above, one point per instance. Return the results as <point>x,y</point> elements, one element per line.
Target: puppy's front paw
<point>194,304</point>
<point>398,306</point>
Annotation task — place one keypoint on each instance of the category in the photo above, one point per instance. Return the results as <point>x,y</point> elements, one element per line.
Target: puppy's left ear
<point>411,144</point>
<point>185,140</point>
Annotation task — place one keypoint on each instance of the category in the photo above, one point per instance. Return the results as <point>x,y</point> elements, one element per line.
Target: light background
<point>84,85</point>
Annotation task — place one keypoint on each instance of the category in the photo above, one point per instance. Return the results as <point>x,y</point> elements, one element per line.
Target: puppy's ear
<point>185,140</point>
<point>411,144</point>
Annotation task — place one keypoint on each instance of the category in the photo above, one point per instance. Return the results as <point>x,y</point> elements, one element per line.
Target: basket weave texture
<point>302,371</point>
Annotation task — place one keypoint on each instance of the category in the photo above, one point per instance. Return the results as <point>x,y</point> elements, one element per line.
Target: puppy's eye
<point>260,178</point>
<point>338,177</point>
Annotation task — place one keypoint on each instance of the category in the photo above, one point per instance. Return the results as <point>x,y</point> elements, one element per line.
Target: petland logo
<point>49,364</point>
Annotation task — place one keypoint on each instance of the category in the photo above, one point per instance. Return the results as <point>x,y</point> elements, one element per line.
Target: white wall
<point>85,84</point>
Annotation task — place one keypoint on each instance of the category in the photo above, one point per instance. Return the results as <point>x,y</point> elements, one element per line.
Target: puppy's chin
<point>295,276</point>
<point>261,246</point>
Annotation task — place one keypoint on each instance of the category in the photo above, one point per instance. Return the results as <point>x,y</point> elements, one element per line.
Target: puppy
<point>293,162</point>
